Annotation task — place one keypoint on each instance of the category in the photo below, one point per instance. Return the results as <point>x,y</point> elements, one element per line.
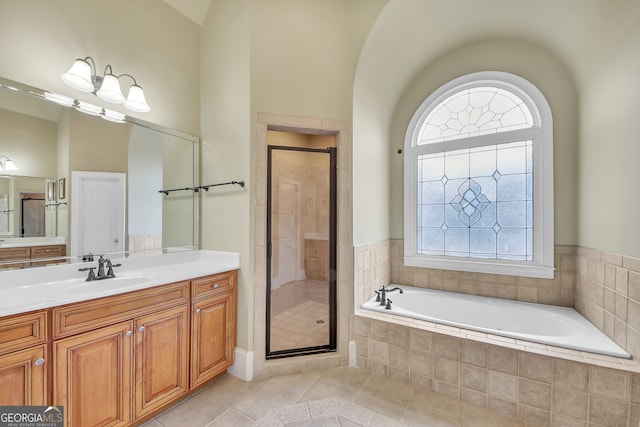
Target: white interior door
<point>97,212</point>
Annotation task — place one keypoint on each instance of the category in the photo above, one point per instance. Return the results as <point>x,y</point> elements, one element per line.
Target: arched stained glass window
<point>479,178</point>
<point>475,111</point>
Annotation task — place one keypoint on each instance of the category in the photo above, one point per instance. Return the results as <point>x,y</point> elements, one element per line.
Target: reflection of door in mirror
<point>32,215</point>
<point>98,207</point>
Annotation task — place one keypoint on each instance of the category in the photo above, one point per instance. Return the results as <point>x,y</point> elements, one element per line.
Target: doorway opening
<point>32,215</point>
<point>98,213</point>
<point>301,301</point>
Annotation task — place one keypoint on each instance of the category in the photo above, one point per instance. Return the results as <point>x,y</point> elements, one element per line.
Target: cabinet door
<point>23,377</point>
<point>92,376</point>
<point>212,337</point>
<point>162,345</point>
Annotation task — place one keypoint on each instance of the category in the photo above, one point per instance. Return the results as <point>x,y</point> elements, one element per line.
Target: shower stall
<point>301,251</point>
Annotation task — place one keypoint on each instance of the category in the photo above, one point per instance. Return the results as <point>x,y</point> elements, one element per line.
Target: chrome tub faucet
<point>382,296</point>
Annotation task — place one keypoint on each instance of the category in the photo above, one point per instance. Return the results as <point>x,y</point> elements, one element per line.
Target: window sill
<point>509,268</point>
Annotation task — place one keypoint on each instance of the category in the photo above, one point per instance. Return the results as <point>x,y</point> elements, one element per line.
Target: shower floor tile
<point>305,325</point>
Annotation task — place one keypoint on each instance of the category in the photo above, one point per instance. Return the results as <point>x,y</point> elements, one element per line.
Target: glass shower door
<point>301,264</point>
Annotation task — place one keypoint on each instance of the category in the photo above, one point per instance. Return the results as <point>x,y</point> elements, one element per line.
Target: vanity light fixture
<point>85,107</point>
<point>7,164</point>
<point>83,76</point>
<point>59,99</point>
<point>113,116</point>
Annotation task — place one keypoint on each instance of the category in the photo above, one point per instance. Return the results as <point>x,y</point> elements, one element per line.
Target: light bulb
<point>110,90</point>
<point>135,101</point>
<point>79,76</point>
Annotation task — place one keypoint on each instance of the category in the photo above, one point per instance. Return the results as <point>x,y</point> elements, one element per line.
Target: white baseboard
<point>243,364</point>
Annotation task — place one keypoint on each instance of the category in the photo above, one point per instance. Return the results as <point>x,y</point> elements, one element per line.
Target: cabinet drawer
<point>11,254</point>
<point>14,254</point>
<point>87,315</point>
<point>205,287</point>
<point>22,331</point>
<point>48,251</point>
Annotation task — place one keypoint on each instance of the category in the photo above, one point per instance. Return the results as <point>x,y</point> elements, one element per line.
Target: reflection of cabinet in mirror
<point>34,256</point>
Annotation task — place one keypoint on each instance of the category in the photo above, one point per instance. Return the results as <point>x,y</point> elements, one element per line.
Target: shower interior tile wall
<point>300,205</point>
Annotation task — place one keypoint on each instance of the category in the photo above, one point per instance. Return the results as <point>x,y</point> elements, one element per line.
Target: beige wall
<point>295,57</point>
<point>226,145</point>
<point>576,51</point>
<point>21,135</point>
<point>609,152</point>
<point>97,145</point>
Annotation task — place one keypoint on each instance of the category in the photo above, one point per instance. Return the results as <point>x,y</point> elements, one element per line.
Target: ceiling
<point>196,10</point>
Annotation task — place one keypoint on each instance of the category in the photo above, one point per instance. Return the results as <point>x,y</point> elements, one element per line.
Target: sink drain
<point>320,322</point>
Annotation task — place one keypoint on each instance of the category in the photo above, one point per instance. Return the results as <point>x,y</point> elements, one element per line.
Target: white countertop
<point>20,242</point>
<point>42,287</point>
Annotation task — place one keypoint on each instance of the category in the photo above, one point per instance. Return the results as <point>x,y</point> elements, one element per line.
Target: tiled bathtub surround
<point>381,263</point>
<point>608,294</point>
<point>546,385</point>
<point>603,287</point>
<point>533,387</point>
<point>556,291</point>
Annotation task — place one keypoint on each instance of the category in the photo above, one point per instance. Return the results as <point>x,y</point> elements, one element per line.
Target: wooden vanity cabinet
<point>23,359</point>
<point>92,376</point>
<point>14,254</point>
<point>120,359</point>
<point>23,379</point>
<point>213,326</point>
<point>161,353</point>
<point>25,253</point>
<point>116,374</point>
<point>45,252</point>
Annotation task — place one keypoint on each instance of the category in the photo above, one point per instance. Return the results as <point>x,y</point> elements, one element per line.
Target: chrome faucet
<point>102,261</point>
<point>382,296</point>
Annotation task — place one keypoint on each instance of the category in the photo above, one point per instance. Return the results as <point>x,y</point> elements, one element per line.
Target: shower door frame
<point>333,250</point>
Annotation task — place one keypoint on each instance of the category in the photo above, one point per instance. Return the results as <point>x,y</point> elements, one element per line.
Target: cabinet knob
<point>141,329</point>
<point>215,286</point>
<point>129,333</point>
<point>197,310</point>
<point>39,362</point>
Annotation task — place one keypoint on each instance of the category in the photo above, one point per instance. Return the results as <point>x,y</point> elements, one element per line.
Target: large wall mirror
<point>52,145</point>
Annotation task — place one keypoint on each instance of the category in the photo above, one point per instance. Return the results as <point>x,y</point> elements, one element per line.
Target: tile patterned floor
<point>337,397</point>
<point>305,325</point>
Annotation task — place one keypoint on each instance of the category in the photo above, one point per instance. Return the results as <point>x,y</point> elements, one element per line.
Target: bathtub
<point>539,323</point>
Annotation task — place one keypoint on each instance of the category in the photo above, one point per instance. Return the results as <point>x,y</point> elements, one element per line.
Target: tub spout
<point>395,289</point>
